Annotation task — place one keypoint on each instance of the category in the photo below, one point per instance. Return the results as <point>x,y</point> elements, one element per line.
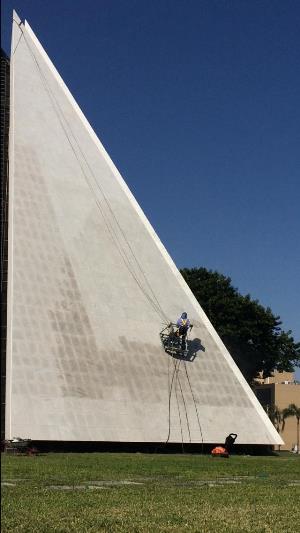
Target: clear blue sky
<point>198,104</point>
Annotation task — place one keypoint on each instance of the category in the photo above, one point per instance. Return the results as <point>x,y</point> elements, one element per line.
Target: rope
<point>153,300</point>
<point>169,404</point>
<point>177,380</point>
<point>181,431</point>
<point>155,303</point>
<point>18,40</point>
<point>60,116</point>
<point>195,404</point>
<point>185,409</point>
<point>184,403</point>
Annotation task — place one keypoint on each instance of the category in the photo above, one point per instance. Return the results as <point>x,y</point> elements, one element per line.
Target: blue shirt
<point>183,322</point>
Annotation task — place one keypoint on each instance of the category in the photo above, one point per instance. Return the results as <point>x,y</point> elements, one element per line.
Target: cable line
<point>57,108</point>
<point>178,408</point>
<point>195,404</point>
<point>65,125</point>
<point>118,237</point>
<point>185,409</point>
<point>169,402</point>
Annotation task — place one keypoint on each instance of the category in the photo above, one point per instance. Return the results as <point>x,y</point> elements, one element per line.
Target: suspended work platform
<point>173,343</point>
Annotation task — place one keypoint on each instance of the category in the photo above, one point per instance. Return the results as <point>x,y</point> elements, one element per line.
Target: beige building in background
<point>281,390</point>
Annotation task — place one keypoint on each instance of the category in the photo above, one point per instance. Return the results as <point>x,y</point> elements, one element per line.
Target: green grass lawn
<point>111,492</point>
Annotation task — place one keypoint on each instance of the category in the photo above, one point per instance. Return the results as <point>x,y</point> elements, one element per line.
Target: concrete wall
<point>90,288</point>
<point>284,395</point>
<point>281,396</point>
<point>4,124</point>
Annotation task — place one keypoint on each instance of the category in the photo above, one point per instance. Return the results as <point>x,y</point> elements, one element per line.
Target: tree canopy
<point>251,332</point>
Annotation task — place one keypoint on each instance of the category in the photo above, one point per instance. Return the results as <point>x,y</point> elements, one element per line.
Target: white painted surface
<point>90,286</point>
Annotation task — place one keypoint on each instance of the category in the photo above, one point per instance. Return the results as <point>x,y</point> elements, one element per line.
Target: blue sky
<point>198,104</point>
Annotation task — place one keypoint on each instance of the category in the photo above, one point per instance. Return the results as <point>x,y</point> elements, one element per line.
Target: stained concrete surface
<point>90,288</point>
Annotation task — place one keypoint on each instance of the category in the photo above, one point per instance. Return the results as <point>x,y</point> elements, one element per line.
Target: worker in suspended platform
<point>183,324</point>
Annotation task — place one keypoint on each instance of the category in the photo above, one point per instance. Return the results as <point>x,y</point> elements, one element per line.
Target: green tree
<point>292,410</point>
<point>251,333</point>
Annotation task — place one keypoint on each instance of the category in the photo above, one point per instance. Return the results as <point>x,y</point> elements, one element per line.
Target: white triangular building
<point>90,286</point>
